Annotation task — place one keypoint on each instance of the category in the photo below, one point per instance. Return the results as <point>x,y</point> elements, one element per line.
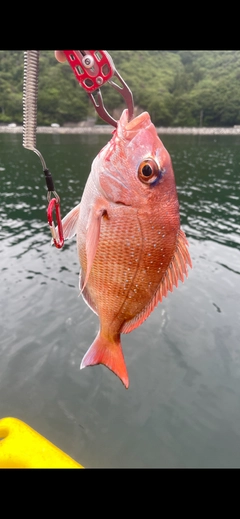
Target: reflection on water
<point>182,407</point>
<point>209,186</point>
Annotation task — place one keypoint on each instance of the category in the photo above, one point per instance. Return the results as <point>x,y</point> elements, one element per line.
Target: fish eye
<point>148,171</point>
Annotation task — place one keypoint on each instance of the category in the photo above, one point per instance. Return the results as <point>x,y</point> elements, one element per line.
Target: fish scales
<point>130,245</point>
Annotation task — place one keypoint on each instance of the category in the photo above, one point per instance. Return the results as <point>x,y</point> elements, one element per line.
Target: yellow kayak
<point>22,447</point>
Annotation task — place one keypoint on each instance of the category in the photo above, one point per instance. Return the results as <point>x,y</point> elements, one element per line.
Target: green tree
<point>174,86</point>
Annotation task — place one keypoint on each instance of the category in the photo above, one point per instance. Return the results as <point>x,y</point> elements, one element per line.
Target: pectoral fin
<point>92,236</point>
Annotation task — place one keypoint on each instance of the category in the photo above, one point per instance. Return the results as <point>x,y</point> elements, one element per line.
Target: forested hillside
<point>177,88</point>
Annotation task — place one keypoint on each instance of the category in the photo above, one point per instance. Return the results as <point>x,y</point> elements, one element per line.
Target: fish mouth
<point>138,122</point>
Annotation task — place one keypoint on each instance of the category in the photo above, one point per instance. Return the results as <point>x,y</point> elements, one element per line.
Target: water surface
<point>182,407</point>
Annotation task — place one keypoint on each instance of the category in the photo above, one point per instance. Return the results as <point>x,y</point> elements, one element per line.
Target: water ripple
<point>183,362</point>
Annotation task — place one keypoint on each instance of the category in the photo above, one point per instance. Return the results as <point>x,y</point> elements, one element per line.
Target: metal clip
<point>93,68</point>
<point>57,239</point>
<point>30,92</point>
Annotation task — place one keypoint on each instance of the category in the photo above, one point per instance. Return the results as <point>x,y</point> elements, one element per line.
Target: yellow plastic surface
<point>22,447</point>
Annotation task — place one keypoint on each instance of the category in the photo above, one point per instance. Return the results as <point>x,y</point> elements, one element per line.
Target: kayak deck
<point>23,447</point>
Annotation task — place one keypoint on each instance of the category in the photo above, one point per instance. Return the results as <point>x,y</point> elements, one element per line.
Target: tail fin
<point>104,351</point>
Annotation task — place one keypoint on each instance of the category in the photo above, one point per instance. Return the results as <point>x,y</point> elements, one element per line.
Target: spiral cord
<point>30,94</point>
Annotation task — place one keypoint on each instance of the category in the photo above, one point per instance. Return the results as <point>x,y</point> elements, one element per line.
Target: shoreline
<point>107,129</point>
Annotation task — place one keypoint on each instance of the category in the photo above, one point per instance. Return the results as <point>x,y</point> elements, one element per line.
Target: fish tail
<point>107,352</point>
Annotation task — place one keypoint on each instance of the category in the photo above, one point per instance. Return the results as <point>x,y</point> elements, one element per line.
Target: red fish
<point>130,245</point>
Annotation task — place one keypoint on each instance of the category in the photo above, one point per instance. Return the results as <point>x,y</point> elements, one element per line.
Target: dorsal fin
<point>176,270</point>
<point>69,223</point>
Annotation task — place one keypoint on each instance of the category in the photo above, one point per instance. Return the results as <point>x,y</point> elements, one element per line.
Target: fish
<point>131,248</point>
